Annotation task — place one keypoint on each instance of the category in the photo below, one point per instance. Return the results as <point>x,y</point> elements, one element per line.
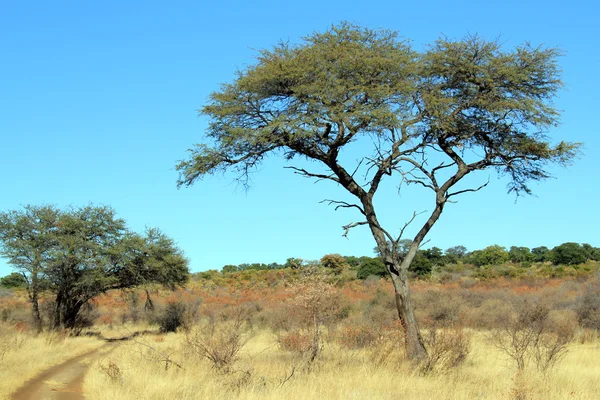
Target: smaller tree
<point>520,254</point>
<point>455,254</point>
<point>592,253</point>
<point>14,280</point>
<point>335,263</point>
<point>491,255</point>
<point>540,254</point>
<point>569,254</point>
<point>371,267</point>
<point>83,252</point>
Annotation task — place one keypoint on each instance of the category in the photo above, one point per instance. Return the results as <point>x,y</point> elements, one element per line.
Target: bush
<point>296,341</point>
<point>371,267</point>
<point>358,336</point>
<point>172,317</point>
<point>588,311</point>
<point>447,348</point>
<point>532,333</point>
<point>220,343</point>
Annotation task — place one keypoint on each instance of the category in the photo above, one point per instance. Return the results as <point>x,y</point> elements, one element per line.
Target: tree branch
<point>307,174</point>
<point>468,190</point>
<point>347,228</point>
<point>342,204</point>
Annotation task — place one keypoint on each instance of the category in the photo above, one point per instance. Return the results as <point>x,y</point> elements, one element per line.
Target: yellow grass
<point>340,374</point>
<point>23,355</point>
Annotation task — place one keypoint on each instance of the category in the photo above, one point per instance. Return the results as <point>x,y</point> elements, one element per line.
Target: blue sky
<point>99,103</point>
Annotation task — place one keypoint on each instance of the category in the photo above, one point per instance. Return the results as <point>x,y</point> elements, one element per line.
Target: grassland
<point>263,368</point>
<point>360,349</point>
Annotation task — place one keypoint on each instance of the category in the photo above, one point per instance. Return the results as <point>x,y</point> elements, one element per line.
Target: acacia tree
<point>26,240</point>
<point>82,252</point>
<point>427,118</point>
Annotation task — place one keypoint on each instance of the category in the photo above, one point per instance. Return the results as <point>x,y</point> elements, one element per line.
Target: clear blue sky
<point>98,102</point>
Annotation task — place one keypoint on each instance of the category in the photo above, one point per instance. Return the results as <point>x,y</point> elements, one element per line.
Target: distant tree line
<point>569,253</point>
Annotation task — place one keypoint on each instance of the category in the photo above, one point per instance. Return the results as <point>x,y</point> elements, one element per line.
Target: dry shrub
<point>588,310</point>
<point>113,372</point>
<point>221,341</point>
<point>491,314</point>
<point>295,341</point>
<point>520,390</point>
<point>357,336</point>
<point>389,348</point>
<point>177,315</point>
<point>447,348</point>
<point>586,335</point>
<point>533,333</point>
<point>439,309</point>
<point>314,303</point>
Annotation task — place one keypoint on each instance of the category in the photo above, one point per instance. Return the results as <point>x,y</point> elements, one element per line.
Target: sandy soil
<point>63,381</point>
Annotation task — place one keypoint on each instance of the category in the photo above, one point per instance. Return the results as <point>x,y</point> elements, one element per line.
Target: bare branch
<point>347,228</point>
<point>307,174</point>
<point>468,190</point>
<point>415,214</point>
<point>342,204</point>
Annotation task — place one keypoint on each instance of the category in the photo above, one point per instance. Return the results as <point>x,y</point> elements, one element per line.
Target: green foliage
<point>434,255</point>
<point>541,254</point>
<point>491,255</point>
<point>455,254</point>
<point>520,254</point>
<point>569,253</point>
<point>13,280</point>
<point>421,265</point>
<point>371,267</point>
<point>592,253</point>
<point>80,253</point>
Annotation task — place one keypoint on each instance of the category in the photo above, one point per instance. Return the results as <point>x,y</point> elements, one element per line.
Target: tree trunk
<point>58,310</point>
<point>35,308</point>
<point>71,311</point>
<point>415,349</point>
<point>398,270</point>
<point>33,296</point>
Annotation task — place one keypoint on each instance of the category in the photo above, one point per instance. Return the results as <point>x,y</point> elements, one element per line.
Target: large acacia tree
<point>79,253</point>
<point>426,118</point>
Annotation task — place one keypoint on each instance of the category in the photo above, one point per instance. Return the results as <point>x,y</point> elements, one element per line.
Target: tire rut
<point>63,381</point>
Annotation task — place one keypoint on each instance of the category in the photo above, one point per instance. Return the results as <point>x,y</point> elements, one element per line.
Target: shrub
<point>371,267</point>
<point>295,341</point>
<point>447,348</point>
<point>588,310</point>
<point>221,342</point>
<point>172,317</point>
<point>531,333</point>
<point>358,336</point>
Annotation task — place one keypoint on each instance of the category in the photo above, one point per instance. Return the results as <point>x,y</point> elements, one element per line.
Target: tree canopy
<point>426,118</point>
<point>80,253</point>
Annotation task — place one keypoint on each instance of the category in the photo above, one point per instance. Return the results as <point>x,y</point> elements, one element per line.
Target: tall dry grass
<point>264,371</point>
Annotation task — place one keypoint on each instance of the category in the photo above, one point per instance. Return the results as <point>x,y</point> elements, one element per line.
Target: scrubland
<point>264,371</point>
<point>282,334</point>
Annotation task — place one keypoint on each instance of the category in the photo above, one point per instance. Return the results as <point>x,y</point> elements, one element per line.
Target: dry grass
<point>23,355</point>
<point>263,372</point>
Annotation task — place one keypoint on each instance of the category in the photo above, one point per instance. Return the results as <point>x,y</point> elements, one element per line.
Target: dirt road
<point>63,381</point>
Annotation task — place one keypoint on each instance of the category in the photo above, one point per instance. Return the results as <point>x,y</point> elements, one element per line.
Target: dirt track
<point>63,381</point>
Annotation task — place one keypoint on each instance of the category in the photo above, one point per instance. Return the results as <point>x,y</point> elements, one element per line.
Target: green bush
<point>373,266</point>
